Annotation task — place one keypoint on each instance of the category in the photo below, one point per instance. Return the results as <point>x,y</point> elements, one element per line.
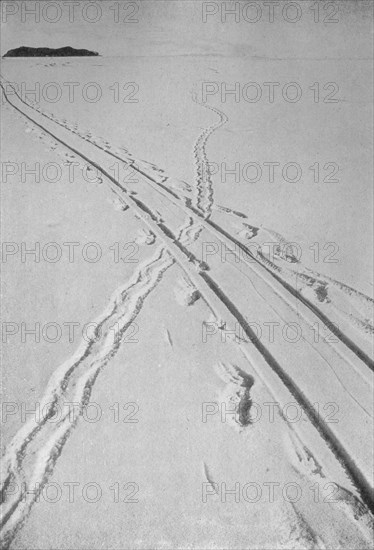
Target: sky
<point>112,28</point>
<point>176,27</point>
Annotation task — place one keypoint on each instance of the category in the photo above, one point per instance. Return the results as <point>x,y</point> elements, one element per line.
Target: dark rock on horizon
<point>25,51</point>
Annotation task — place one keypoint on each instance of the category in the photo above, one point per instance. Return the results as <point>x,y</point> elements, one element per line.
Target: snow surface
<point>174,306</point>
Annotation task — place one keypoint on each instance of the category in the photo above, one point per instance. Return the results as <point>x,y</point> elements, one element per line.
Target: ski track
<point>190,221</point>
<point>189,226</point>
<point>308,467</point>
<point>285,272</point>
<point>50,451</point>
<point>360,321</point>
<point>158,177</point>
<point>72,382</point>
<point>360,303</point>
<point>15,511</point>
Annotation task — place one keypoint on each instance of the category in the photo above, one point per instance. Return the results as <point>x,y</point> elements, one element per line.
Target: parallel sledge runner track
<point>210,281</point>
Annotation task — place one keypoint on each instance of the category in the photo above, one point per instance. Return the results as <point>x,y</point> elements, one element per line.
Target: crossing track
<point>323,371</point>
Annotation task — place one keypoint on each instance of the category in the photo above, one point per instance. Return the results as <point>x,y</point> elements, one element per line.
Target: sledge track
<point>34,450</point>
<point>215,297</point>
<point>225,237</point>
<point>162,187</point>
<point>152,182</point>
